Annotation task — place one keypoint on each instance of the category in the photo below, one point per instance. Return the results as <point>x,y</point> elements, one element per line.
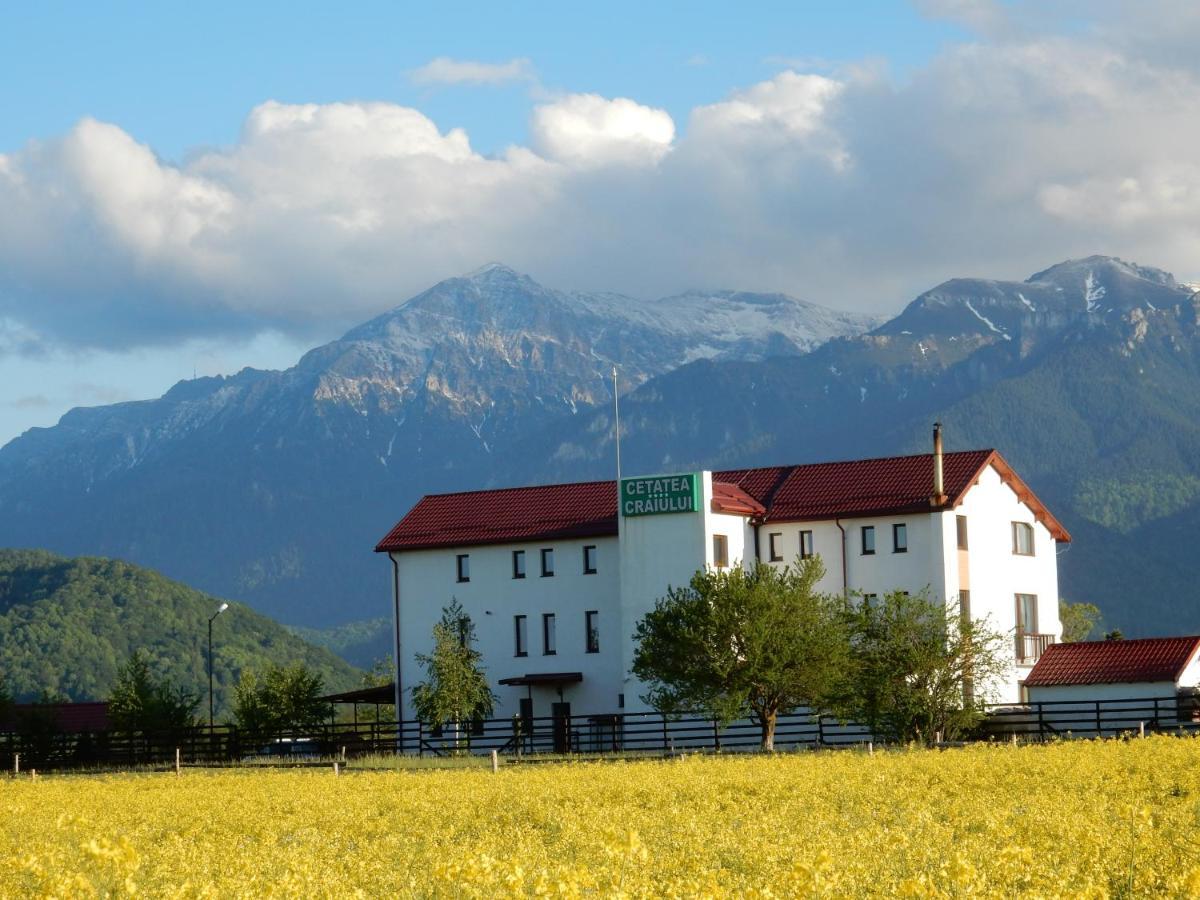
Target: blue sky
<point>198,187</point>
<point>183,75</point>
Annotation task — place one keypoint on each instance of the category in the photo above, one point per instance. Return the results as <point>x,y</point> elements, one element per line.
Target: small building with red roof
<point>555,577</point>
<point>1147,668</point>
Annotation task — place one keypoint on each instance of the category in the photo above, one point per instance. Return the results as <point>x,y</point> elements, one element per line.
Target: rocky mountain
<point>68,625</point>
<point>1086,376</point>
<point>272,487</point>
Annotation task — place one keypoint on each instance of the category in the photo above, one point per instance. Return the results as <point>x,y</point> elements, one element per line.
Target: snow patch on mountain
<point>988,322</point>
<point>1093,292</point>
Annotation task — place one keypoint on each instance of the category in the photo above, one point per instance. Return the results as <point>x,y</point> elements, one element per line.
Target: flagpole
<point>617,423</point>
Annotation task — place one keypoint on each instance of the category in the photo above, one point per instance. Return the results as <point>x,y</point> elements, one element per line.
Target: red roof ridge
<point>521,487</point>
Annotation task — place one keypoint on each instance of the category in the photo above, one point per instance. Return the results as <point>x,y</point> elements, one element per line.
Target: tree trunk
<point>767,720</point>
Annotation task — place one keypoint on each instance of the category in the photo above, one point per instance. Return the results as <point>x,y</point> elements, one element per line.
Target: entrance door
<point>561,713</point>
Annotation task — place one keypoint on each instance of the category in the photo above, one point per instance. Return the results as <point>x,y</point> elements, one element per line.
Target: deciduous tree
<point>1078,620</point>
<point>736,641</point>
<point>921,669</point>
<point>282,698</point>
<point>455,689</point>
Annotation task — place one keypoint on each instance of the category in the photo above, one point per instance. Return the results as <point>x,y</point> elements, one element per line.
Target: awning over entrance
<point>553,679</point>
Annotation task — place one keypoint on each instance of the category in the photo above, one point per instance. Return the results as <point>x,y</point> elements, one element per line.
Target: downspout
<point>845,580</point>
<point>757,556</point>
<point>396,650</point>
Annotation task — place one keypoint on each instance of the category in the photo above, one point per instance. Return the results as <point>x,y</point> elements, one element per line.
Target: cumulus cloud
<point>997,157</point>
<point>443,71</point>
<point>587,129</point>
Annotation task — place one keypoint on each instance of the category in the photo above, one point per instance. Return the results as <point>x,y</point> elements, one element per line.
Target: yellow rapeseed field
<point>1115,818</point>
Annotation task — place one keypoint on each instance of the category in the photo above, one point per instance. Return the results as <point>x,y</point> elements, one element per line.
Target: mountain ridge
<point>234,483</point>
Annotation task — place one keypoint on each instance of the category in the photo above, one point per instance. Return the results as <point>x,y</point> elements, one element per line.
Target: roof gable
<point>1114,662</point>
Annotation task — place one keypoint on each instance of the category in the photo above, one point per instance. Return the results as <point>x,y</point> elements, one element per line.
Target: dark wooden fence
<point>614,733</point>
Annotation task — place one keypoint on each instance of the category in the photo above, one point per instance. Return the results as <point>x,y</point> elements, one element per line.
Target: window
<point>463,564</point>
<point>518,564</point>
<point>960,523</point>
<point>720,551</point>
<point>868,540</point>
<point>1027,614</point>
<point>589,560</point>
<point>1022,538</point>
<point>549,641</point>
<point>547,563</point>
<point>900,538</point>
<point>806,544</point>
<point>773,543</point>
<point>521,630</point>
<point>591,620</point>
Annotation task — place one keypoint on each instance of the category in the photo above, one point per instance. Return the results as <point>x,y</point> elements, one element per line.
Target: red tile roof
<point>1114,662</point>
<point>859,488</point>
<point>583,509</point>
<point>894,485</point>
<point>729,498</point>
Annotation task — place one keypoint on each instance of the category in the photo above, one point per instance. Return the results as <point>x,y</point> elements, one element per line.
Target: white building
<point>556,577</point>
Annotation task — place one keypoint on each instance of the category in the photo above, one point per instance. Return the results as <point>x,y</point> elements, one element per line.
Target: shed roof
<point>72,718</point>
<point>865,487</point>
<point>1114,662</point>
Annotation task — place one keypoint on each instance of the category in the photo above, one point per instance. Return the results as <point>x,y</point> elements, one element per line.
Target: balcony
<point>1030,647</point>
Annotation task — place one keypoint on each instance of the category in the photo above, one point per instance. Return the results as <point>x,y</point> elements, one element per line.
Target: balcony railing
<point>1030,647</point>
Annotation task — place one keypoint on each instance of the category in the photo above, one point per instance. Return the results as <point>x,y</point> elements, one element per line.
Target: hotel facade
<point>556,577</point>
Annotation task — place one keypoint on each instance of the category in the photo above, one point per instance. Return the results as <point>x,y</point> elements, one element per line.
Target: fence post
<point>1099,732</point>
<point>716,736</point>
<point>1141,729</point>
<point>420,738</point>
<point>495,761</point>
<point>178,766</point>
<point>820,731</point>
<point>664,724</point>
<point>16,763</point>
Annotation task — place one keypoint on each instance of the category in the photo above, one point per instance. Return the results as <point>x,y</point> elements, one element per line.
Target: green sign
<point>658,494</point>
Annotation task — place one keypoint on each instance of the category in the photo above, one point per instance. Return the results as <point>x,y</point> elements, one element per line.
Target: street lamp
<point>220,609</point>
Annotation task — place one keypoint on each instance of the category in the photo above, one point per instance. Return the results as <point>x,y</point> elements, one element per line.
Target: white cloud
<point>996,158</point>
<point>588,129</point>
<point>444,70</point>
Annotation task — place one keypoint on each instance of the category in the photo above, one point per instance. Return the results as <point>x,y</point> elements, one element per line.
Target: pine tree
<point>141,703</point>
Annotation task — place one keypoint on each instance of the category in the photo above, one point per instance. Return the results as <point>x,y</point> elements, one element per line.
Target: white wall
<point>655,552</point>
<point>493,597</point>
<point>1090,693</point>
<point>659,552</point>
<point>997,575</point>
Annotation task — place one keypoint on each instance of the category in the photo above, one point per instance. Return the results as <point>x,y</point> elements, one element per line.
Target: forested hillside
<point>67,625</point>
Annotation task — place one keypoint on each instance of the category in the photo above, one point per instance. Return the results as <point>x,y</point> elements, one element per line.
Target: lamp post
<point>220,609</point>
